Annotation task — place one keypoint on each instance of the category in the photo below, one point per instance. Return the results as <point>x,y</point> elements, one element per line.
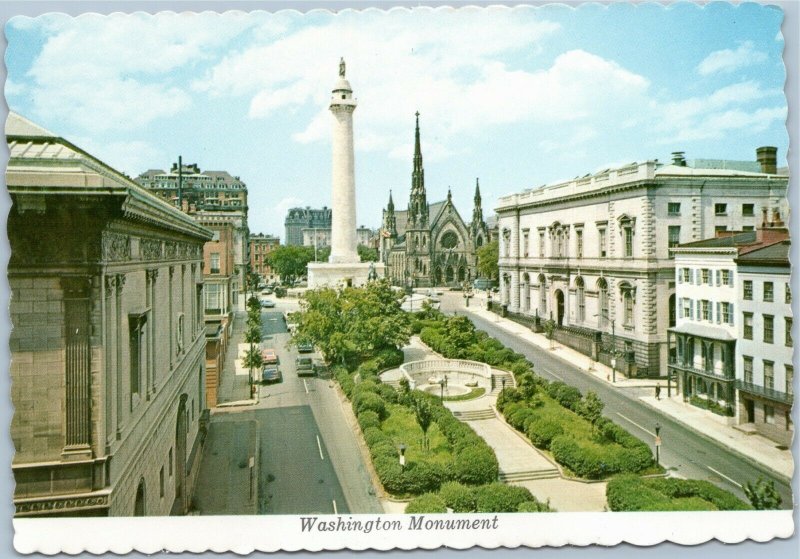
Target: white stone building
<point>108,345</point>
<point>592,253</point>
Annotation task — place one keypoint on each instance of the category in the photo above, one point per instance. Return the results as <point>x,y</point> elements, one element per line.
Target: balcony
<point>764,392</point>
<point>727,376</point>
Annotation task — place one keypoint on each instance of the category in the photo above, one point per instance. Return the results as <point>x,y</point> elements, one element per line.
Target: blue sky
<point>518,97</point>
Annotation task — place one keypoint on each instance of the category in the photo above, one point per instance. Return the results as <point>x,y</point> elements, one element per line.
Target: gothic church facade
<point>429,244</point>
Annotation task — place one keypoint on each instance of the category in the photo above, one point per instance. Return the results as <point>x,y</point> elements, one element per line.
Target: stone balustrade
<point>458,371</point>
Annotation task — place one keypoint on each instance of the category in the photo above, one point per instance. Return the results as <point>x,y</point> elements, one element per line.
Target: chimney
<point>678,158</point>
<point>772,231</point>
<point>767,157</point>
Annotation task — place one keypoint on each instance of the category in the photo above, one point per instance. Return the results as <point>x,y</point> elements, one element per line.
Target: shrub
<point>345,380</point>
<point>508,396</point>
<point>475,465</point>
<point>499,497</point>
<point>457,496</point>
<point>384,447</point>
<point>568,396</point>
<point>368,369</point>
<point>388,393</point>
<point>390,473</point>
<point>373,435</point>
<point>369,401</point>
<point>368,418</point>
<point>534,506</point>
<point>428,503</point>
<point>365,386</point>
<point>542,432</point>
<point>422,477</point>
<point>632,493</point>
<point>595,461</point>
<point>387,358</point>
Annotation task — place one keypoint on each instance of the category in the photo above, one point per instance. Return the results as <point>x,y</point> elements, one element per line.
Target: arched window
<point>525,288</point>
<point>581,296</point>
<point>542,295</point>
<point>602,295</point>
<point>627,304</point>
<point>449,240</point>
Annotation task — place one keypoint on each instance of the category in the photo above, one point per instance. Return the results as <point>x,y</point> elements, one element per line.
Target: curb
<point>749,459</point>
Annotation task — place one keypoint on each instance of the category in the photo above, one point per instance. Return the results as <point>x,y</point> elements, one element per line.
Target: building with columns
<point>592,253</point>
<point>108,345</point>
<point>430,244</point>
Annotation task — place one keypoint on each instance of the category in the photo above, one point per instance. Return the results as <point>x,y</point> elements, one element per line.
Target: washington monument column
<point>344,267</point>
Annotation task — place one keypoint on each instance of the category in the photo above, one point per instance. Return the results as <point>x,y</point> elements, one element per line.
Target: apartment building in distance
<point>108,345</point>
<point>731,349</point>
<point>593,253</point>
<point>260,246</point>
<point>299,219</point>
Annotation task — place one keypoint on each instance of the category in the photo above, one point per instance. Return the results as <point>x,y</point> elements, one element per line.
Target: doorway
<point>559,307</point>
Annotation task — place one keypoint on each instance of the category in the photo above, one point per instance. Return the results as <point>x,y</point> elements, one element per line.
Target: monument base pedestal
<point>356,274</point>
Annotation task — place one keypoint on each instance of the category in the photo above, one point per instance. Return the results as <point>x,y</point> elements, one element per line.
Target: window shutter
<point>719,314</point>
<point>730,314</point>
<point>679,309</point>
<point>680,275</point>
<point>691,309</point>
<point>719,278</point>
<point>730,278</point>
<point>697,276</point>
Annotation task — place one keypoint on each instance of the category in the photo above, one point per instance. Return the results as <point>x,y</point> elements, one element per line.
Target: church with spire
<point>429,244</point>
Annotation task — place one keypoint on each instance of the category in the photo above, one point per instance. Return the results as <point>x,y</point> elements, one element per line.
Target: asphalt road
<point>683,450</point>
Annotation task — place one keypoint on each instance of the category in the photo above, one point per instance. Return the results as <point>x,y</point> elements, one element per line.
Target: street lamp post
<point>402,456</point>
<point>503,381</point>
<point>658,443</point>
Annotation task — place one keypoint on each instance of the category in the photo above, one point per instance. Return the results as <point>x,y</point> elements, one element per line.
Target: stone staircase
<point>498,378</point>
<point>393,383</point>
<point>528,475</point>
<point>474,415</point>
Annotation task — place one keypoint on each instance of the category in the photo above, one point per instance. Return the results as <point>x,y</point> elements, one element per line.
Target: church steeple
<point>477,211</point>
<point>478,226</point>
<point>418,205</point>
<point>389,219</point>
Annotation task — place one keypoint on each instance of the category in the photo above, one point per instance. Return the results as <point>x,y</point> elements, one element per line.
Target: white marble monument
<point>344,267</point>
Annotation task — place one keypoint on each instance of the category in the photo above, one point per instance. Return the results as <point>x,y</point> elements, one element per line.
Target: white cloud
<point>285,204</point>
<point>727,60</point>
<point>118,71</point>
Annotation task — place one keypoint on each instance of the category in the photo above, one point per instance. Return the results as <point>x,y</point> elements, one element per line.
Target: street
<point>684,452</point>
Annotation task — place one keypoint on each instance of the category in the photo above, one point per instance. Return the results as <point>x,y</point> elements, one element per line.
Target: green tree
<point>488,256</point>
<point>592,408</point>
<point>763,495</point>
<point>290,262</point>
<point>424,414</point>
<point>252,359</point>
<point>367,254</point>
<point>252,335</point>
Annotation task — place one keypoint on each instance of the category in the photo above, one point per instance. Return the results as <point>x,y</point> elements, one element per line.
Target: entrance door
<point>750,410</point>
<point>560,307</point>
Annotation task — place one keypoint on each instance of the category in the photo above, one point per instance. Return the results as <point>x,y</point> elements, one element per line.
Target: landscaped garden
<point>634,493</point>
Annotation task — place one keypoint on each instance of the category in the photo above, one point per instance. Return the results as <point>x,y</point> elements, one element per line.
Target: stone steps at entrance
<point>474,415</point>
<point>529,475</point>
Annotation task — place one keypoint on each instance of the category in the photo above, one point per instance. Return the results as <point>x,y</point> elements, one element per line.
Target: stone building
<point>260,246</point>
<point>592,253</point>
<point>215,199</point>
<point>298,219</point>
<point>430,244</point>
<point>322,237</point>
<point>731,347</point>
<point>108,345</point>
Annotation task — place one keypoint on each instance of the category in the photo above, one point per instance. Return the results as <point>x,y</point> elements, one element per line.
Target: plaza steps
<point>498,382</point>
<point>474,415</point>
<point>393,383</point>
<point>528,475</point>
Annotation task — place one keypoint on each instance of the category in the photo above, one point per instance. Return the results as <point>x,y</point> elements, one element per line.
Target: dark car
<point>304,366</point>
<point>271,374</point>
<point>305,347</point>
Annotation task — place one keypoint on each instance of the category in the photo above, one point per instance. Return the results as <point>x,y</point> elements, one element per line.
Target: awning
<point>704,331</point>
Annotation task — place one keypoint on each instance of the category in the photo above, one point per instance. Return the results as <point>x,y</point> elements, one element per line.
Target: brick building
<point>260,247</point>
<point>108,368</point>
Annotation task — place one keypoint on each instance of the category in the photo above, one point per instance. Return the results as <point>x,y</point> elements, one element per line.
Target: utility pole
<point>180,183</point>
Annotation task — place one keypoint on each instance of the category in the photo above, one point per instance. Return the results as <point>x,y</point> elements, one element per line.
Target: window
<point>674,235</point>
<point>769,329</point>
<point>769,375</point>
<point>719,229</point>
<point>674,208</point>
<point>748,210</point>
<point>628,232</point>
<point>541,244</point>
<point>525,234</point>
<point>720,209</point>
<point>136,334</point>
<point>706,305</point>
<point>789,379</point>
<point>748,228</point>
<point>704,274</point>
<point>747,290</point>
<point>542,296</point>
<point>747,323</point>
<point>769,292</point>
<point>627,297</point>
<point>687,275</point>
<point>747,368</point>
<point>213,298</point>
<point>726,313</point>
<point>579,243</point>
<point>787,294</point>
<point>727,279</point>
<point>602,289</point>
<point>214,263</point>
<point>161,481</point>
<point>788,329</point>
<point>581,300</point>
<point>687,308</point>
<point>769,414</point>
<point>506,243</point>
<point>602,236</point>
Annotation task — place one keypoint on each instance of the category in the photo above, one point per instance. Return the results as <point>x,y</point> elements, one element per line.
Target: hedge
<point>632,493</point>
<point>367,419</point>
<point>364,401</point>
<point>499,497</point>
<point>427,503</point>
<point>457,496</point>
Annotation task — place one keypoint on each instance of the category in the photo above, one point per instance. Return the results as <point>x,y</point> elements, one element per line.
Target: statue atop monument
<point>341,67</point>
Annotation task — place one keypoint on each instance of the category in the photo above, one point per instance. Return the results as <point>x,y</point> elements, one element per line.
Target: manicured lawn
<point>631,493</point>
<point>402,427</point>
<point>471,395</point>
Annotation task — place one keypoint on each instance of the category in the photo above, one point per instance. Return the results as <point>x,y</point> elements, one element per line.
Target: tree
<point>488,256</point>
<point>253,359</point>
<point>290,262</point>
<point>592,408</point>
<point>763,495</point>
<point>424,414</point>
<point>549,329</point>
<point>367,254</point>
<point>253,334</point>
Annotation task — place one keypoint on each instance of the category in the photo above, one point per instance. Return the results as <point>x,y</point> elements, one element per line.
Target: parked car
<point>271,374</point>
<point>304,366</point>
<point>266,291</point>
<point>268,304</point>
<point>269,356</point>
<point>320,368</point>
<point>305,347</point>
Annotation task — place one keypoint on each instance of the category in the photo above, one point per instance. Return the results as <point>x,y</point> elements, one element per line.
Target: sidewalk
<point>754,448</point>
<point>233,387</point>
